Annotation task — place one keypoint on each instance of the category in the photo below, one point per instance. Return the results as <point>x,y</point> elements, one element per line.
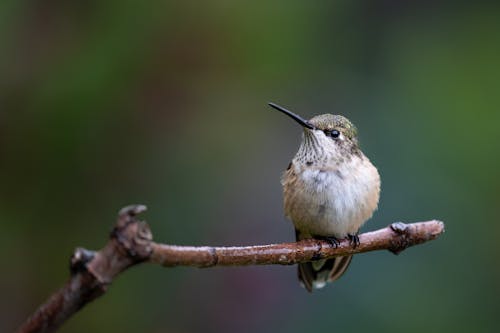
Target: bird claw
<point>353,240</point>
<point>333,241</point>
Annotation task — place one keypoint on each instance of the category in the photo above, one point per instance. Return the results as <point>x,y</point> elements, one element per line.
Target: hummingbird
<point>330,190</point>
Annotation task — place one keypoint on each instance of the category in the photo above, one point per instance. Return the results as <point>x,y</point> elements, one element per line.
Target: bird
<point>330,189</point>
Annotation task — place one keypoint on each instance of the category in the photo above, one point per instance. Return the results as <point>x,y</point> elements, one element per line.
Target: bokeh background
<point>108,103</point>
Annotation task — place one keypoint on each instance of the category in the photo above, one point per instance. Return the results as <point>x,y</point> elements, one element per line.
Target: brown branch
<point>131,243</point>
<point>395,238</point>
<point>92,272</point>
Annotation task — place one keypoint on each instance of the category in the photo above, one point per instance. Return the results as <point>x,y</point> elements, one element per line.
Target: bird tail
<point>316,274</point>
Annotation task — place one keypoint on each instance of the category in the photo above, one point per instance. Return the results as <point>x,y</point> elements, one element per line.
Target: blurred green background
<point>108,103</point>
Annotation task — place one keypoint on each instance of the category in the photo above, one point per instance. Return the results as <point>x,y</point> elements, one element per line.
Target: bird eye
<point>332,133</point>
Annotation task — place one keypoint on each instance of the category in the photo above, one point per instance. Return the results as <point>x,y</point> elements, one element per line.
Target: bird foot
<point>353,240</point>
<point>333,241</point>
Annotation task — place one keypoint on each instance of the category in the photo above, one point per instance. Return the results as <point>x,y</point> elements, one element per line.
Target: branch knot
<point>398,244</point>
<point>79,259</point>
<point>132,235</point>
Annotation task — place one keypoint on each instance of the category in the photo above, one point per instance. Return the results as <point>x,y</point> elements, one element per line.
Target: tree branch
<point>395,238</point>
<point>131,243</point>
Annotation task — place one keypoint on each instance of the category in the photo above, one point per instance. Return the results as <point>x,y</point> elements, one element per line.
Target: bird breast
<point>331,201</point>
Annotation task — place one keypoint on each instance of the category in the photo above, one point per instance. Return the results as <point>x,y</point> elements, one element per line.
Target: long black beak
<point>294,116</point>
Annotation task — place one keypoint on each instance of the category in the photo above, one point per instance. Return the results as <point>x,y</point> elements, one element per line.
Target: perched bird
<point>330,190</point>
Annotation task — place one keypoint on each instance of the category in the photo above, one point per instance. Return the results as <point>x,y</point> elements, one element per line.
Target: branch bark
<point>131,243</point>
<point>395,238</point>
